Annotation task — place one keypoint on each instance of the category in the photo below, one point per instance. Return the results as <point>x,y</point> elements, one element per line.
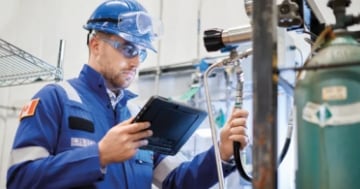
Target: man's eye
<point>130,50</point>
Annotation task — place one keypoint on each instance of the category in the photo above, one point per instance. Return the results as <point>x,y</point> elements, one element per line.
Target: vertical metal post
<point>59,75</point>
<point>265,94</point>
<point>159,54</point>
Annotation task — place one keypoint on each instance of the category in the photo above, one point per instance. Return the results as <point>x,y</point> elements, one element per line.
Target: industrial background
<point>42,28</point>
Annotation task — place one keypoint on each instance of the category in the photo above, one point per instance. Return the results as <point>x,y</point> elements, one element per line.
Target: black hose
<point>240,166</point>
<point>238,162</point>
<point>284,150</point>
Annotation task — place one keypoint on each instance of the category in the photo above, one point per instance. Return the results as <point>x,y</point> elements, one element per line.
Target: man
<point>78,134</point>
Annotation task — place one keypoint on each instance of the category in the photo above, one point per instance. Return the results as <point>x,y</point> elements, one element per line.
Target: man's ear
<point>94,45</point>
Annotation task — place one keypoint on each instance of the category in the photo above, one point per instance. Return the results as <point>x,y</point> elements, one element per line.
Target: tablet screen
<point>172,123</point>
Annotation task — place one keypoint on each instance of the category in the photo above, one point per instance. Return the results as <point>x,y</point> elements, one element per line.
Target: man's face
<point>117,69</point>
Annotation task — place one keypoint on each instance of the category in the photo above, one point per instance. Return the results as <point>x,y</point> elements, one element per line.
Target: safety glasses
<point>129,50</point>
<point>140,24</point>
<point>138,27</point>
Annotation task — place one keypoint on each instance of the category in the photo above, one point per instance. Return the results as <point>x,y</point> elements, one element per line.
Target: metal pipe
<point>198,35</point>
<point>233,57</point>
<point>158,69</point>
<point>59,76</point>
<point>264,95</point>
<point>320,66</point>
<point>237,35</point>
<point>212,124</point>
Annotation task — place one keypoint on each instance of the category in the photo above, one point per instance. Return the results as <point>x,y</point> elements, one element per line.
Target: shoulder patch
<point>29,108</point>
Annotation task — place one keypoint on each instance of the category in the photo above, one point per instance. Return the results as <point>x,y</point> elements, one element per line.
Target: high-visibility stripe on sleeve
<point>70,91</point>
<point>29,153</point>
<point>162,170</point>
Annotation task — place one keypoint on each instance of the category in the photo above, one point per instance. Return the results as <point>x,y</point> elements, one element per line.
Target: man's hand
<point>234,130</point>
<point>122,141</point>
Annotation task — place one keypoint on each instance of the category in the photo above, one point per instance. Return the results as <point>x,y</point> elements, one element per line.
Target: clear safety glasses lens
<point>139,24</point>
<point>129,50</point>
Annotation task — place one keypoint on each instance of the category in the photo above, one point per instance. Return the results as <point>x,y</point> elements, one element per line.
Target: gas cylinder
<point>327,104</point>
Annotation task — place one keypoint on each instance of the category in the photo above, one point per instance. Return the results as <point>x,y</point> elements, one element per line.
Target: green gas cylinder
<point>328,118</point>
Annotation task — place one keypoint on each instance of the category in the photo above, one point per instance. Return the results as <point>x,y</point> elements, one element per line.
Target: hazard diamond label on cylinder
<point>331,115</point>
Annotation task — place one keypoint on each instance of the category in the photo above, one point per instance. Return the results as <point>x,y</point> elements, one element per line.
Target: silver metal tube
<point>237,35</point>
<point>212,124</point>
<point>159,53</point>
<point>61,54</point>
<point>239,87</point>
<point>213,128</point>
<point>198,34</point>
<point>60,61</point>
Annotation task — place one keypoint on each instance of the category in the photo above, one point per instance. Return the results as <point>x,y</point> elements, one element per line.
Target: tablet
<point>172,123</point>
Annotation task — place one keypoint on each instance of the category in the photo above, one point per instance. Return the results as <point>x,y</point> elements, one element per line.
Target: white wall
<point>37,26</point>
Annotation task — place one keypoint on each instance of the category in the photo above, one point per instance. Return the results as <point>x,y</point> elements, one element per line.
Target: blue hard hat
<point>125,18</point>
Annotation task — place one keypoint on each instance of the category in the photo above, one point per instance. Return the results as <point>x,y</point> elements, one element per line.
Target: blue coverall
<point>57,146</point>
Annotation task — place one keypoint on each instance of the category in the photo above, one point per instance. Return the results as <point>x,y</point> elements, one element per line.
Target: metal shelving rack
<point>18,67</point>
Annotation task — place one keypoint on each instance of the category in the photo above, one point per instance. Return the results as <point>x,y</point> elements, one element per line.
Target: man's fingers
<point>140,143</point>
<point>244,140</point>
<point>142,135</point>
<point>238,131</point>
<point>238,122</point>
<point>134,127</point>
<point>240,113</point>
<point>128,121</point>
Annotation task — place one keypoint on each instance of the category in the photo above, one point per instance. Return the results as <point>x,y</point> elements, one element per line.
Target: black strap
<point>103,20</point>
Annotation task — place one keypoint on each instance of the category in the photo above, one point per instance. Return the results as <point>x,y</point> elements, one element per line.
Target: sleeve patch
<point>29,109</point>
